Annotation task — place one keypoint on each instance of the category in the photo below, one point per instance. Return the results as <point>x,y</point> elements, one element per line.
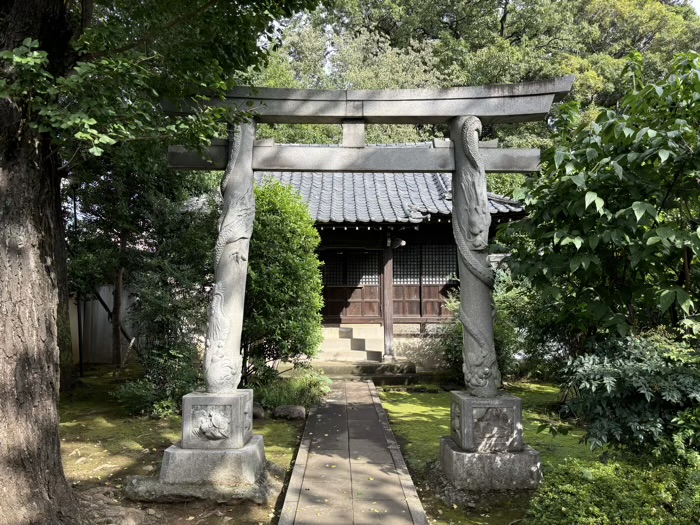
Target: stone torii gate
<point>217,424</point>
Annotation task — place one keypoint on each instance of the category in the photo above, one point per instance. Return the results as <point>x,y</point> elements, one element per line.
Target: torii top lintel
<point>522,102</point>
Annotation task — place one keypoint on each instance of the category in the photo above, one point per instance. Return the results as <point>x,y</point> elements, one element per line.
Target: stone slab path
<point>349,469</point>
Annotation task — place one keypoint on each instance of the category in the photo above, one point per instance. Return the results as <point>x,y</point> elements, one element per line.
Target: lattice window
<point>362,268</point>
<point>332,269</point>
<point>407,265</point>
<point>439,263</point>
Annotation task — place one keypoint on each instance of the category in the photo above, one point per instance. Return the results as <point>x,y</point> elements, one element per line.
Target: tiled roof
<point>380,197</point>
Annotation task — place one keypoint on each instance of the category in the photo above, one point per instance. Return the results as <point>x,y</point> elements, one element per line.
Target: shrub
<point>616,494</point>
<point>283,291</point>
<point>307,389</point>
<point>171,291</point>
<point>640,393</point>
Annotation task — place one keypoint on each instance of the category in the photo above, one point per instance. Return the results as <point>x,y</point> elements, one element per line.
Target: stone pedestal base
<point>220,467</point>
<point>484,472</point>
<point>221,475</point>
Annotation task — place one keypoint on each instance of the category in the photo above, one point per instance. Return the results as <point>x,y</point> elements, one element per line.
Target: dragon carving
<point>470,225</point>
<point>222,362</point>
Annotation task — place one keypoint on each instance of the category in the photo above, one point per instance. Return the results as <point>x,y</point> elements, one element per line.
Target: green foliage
<point>508,305</point>
<point>109,87</point>
<point>326,57</point>
<point>616,494</point>
<point>171,300</point>
<point>641,393</point>
<point>283,292</point>
<point>307,389</point>
<point>612,237</point>
<point>447,341</point>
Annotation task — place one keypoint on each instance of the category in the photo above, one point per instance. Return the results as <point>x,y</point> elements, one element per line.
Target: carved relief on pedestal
<point>493,428</point>
<point>211,422</point>
<point>457,421</point>
<point>248,416</point>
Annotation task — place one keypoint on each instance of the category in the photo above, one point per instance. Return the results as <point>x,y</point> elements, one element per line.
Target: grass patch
<point>101,445</point>
<point>419,420</point>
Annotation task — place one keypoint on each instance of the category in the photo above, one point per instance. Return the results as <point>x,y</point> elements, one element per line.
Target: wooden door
<point>407,292</point>
<point>351,285</point>
<point>422,280</point>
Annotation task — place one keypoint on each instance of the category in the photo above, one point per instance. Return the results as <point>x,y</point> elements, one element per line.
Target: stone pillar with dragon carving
<point>219,456</point>
<point>485,449</point>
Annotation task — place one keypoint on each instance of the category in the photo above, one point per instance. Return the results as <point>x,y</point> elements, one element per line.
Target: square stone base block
<point>217,421</point>
<point>484,472</point>
<point>486,424</point>
<point>228,467</point>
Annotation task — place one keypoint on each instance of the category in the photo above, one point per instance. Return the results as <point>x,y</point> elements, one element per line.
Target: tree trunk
<point>117,317</point>
<point>65,341</point>
<point>33,488</point>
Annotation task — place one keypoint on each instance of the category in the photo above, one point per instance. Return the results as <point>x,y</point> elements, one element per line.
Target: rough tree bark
<point>33,488</point>
<point>117,304</point>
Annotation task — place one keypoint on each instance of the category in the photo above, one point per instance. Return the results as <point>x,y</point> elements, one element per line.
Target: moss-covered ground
<point>420,419</point>
<point>101,445</point>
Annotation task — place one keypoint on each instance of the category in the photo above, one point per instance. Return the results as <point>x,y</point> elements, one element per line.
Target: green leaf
<point>559,156</point>
<point>663,155</point>
<point>575,263</point>
<point>640,208</point>
<point>666,299</point>
<point>599,203</point>
<point>579,180</point>
<point>590,197</point>
<point>591,154</point>
<point>684,300</point>
<point>618,169</point>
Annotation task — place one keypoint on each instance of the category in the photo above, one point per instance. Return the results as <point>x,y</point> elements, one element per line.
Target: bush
<point>616,494</point>
<point>283,292</point>
<point>640,393</point>
<point>171,293</point>
<point>307,390</point>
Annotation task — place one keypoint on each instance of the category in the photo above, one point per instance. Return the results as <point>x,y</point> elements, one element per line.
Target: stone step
<point>331,332</point>
<point>337,332</point>
<point>371,343</point>
<point>333,344</point>
<point>382,380</point>
<point>361,331</point>
<point>363,368</point>
<point>349,356</point>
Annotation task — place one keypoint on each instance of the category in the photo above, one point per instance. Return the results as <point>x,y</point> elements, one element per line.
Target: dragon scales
<point>470,223</point>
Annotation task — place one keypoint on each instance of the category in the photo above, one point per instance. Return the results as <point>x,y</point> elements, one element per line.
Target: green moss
<point>419,420</point>
<point>101,443</point>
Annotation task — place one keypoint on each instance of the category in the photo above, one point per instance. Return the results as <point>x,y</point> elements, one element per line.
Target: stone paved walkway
<point>349,469</point>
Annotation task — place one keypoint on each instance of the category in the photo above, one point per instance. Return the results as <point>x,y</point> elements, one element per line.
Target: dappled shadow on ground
<point>101,445</point>
<point>420,419</point>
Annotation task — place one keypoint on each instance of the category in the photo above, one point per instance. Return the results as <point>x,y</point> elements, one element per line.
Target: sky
<point>696,5</point>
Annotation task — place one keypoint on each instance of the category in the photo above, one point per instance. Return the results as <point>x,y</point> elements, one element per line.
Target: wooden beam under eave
<point>371,159</point>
